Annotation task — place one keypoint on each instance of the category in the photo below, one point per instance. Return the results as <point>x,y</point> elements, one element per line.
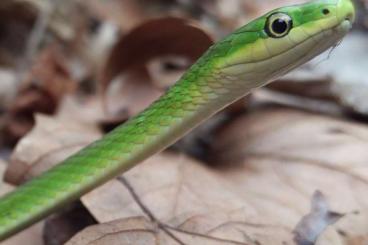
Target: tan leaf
<point>272,163</point>
<point>131,93</point>
<point>8,87</point>
<point>30,236</point>
<point>50,142</point>
<point>192,201</point>
<point>132,231</point>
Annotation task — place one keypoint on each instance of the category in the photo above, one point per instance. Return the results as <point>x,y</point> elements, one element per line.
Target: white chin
<point>344,27</point>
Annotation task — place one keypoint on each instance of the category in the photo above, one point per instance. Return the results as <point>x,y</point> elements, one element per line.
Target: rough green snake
<point>250,57</point>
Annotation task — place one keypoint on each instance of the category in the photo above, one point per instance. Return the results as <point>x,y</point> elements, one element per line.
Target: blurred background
<point>72,70</point>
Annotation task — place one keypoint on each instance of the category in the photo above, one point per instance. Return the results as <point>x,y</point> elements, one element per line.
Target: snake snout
<point>345,11</point>
<point>350,17</point>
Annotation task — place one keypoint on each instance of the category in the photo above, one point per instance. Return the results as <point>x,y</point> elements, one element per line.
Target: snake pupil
<point>325,11</point>
<point>279,26</point>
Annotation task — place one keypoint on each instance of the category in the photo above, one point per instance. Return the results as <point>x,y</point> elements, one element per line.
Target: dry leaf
<point>50,142</point>
<point>141,231</point>
<point>273,161</point>
<point>41,92</point>
<point>315,88</point>
<point>126,14</point>
<point>4,187</point>
<point>313,224</point>
<point>84,110</point>
<point>8,87</point>
<point>191,201</point>
<point>131,93</point>
<point>61,227</point>
<point>30,236</point>
<point>16,21</point>
<point>152,39</point>
<point>148,44</point>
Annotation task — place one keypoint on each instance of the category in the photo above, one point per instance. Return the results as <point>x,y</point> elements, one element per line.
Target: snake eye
<point>278,25</point>
<point>325,11</point>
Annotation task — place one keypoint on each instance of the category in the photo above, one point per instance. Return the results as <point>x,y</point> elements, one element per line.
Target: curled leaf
<point>149,52</point>
<point>155,38</point>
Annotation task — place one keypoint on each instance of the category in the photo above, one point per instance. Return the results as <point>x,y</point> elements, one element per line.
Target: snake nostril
<point>349,17</point>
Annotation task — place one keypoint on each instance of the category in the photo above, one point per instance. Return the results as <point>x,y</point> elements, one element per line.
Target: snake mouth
<point>350,18</point>
<point>345,26</point>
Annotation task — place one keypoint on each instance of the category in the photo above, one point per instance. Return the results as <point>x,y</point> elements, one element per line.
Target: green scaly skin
<point>245,60</point>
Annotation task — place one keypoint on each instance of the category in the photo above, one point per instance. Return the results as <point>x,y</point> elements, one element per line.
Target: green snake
<point>250,57</point>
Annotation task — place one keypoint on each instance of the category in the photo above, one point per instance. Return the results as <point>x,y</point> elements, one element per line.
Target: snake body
<point>252,56</point>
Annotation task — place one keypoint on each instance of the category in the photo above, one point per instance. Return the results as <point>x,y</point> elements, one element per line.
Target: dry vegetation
<point>286,165</point>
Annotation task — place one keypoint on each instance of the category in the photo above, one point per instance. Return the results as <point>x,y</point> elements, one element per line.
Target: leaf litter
<point>257,173</point>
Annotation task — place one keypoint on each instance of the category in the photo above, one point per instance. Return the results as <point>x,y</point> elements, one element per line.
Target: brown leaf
<point>156,38</point>
<point>50,142</point>
<point>42,91</point>
<point>16,21</point>
<point>4,188</point>
<point>191,201</point>
<point>61,227</point>
<point>138,230</point>
<point>153,43</point>
<point>51,73</point>
<point>274,160</point>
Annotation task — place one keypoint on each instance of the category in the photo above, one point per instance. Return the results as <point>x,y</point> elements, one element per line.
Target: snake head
<point>285,38</point>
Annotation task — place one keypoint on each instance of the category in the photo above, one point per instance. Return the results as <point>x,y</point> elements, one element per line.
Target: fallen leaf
<point>4,187</point>
<point>152,39</point>
<point>272,163</point>
<point>127,14</point>
<point>16,21</point>
<point>61,227</point>
<point>130,94</point>
<point>181,196</point>
<point>141,56</point>
<point>313,224</point>
<point>50,142</point>
<point>8,87</point>
<point>132,231</point>
<point>30,236</point>
<point>42,91</point>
